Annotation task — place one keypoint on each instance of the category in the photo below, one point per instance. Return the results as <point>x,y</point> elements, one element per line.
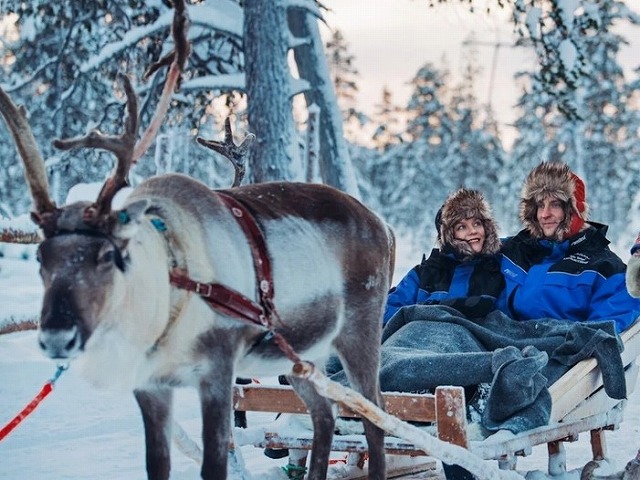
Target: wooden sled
<point>580,404</point>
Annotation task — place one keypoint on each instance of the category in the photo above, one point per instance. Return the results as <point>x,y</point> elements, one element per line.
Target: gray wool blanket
<point>425,346</point>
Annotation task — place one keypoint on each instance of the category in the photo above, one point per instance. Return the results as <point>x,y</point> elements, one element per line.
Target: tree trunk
<point>335,163</point>
<point>275,154</point>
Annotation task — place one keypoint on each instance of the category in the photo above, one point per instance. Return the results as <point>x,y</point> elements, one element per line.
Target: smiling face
<point>550,214</point>
<point>470,230</point>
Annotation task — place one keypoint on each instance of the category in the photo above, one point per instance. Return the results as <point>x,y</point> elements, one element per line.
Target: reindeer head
<point>85,254</point>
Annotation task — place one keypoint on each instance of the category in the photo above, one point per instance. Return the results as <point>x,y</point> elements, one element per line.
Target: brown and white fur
<point>332,261</point>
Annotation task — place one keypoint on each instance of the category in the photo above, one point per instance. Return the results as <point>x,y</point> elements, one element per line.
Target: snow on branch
<point>19,230</point>
<point>231,81</point>
<point>223,18</point>
<point>309,5</point>
<point>13,324</point>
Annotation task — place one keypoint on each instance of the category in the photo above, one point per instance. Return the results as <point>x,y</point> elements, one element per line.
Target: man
<point>560,265</point>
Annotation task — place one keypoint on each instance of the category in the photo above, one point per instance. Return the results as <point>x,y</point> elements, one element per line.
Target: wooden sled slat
<point>425,466</point>
<point>585,378</point>
<point>282,399</point>
<point>494,448</point>
<point>600,401</point>
<point>341,443</point>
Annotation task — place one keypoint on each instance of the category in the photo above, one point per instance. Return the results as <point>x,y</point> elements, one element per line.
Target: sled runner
<point>579,404</point>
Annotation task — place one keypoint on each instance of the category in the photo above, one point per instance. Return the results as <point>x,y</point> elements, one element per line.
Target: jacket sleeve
<point>407,292</point>
<point>611,301</point>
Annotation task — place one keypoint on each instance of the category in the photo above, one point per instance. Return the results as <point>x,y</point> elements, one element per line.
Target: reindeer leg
<point>155,406</point>
<point>323,425</point>
<point>215,399</point>
<point>360,358</point>
<point>239,417</point>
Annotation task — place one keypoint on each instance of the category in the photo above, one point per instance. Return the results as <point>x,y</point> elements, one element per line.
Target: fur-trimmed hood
<point>555,180</point>
<point>460,205</point>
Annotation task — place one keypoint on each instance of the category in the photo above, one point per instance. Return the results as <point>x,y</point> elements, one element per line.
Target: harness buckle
<point>264,320</point>
<point>203,289</point>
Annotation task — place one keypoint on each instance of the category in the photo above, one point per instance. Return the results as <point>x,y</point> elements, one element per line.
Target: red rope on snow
<point>46,390</point>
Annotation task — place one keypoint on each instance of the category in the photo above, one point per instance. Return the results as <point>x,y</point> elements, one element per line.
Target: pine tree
<point>65,60</point>
<point>336,168</point>
<point>386,118</point>
<point>595,138</point>
<point>344,76</point>
<point>404,175</point>
<point>475,155</point>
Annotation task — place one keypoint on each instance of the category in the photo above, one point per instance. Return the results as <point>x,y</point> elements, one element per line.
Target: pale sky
<point>392,39</point>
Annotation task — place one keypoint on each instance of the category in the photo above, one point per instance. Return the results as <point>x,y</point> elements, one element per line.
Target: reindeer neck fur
<point>166,350</point>
<point>139,311</point>
<point>201,231</point>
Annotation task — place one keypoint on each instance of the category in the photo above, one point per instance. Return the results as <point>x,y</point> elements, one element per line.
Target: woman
<point>560,265</point>
<point>464,272</point>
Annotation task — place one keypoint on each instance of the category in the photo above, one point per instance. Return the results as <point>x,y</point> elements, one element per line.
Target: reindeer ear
<point>128,220</point>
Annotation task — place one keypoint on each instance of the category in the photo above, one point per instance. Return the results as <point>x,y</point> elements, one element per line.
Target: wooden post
<point>451,415</point>
<point>598,444</point>
<point>557,458</point>
<point>297,463</point>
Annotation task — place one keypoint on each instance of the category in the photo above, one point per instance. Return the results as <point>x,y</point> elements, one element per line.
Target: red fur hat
<point>558,181</point>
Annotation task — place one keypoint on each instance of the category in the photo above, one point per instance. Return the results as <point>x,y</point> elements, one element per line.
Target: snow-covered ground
<point>79,432</point>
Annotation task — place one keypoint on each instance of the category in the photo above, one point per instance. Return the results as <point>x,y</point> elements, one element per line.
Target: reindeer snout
<point>60,343</point>
<point>61,332</point>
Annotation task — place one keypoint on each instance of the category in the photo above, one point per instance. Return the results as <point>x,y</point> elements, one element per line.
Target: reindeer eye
<point>107,257</point>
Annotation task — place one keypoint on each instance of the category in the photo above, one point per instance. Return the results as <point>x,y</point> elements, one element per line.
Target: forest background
<point>265,63</point>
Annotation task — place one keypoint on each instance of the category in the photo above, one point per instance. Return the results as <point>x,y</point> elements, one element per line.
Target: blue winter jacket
<point>579,279</point>
<point>443,276</point>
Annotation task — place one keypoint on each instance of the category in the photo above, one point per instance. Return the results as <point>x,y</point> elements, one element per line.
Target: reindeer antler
<point>34,169</point>
<point>177,58</point>
<point>124,146</point>
<point>234,153</point>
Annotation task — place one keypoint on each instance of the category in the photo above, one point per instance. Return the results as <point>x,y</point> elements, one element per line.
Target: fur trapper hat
<point>461,205</point>
<point>558,181</point>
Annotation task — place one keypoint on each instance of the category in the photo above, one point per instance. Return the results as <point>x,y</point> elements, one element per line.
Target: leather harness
<point>233,303</point>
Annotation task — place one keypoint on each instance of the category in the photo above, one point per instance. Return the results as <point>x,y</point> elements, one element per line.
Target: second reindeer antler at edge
<point>234,153</point>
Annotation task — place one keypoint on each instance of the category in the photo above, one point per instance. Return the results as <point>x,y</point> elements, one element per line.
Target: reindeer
<point>188,286</point>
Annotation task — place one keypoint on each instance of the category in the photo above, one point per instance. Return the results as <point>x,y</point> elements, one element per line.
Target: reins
<point>33,404</point>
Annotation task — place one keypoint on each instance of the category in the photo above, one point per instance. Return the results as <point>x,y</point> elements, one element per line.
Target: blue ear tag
<point>123,217</point>
<point>159,224</point>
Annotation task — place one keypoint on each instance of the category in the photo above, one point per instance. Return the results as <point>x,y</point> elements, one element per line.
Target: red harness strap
<point>232,302</point>
<point>261,261</point>
<point>225,299</point>
<point>222,298</point>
